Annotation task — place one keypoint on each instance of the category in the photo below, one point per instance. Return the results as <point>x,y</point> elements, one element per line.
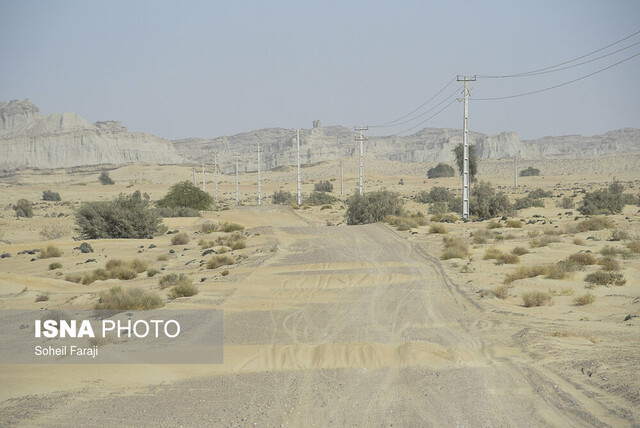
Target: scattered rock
<point>207,252</point>
<point>152,246</point>
<point>172,251</point>
<point>91,261</point>
<point>5,255</point>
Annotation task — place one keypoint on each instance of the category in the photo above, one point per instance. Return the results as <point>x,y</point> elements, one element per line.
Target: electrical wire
<point>426,120</point>
<point>393,122</point>
<point>558,86</point>
<point>533,72</point>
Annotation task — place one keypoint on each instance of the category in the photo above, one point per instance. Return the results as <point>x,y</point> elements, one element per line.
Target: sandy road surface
<point>345,326</point>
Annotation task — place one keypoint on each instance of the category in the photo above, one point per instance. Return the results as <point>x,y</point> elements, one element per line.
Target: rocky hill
<point>28,139</point>
<point>31,140</point>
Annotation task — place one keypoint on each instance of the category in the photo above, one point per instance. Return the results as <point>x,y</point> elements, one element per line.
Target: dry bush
<point>507,259</point>
<point>138,265</point>
<point>513,223</point>
<point>183,290</point>
<point>129,299</point>
<point>220,260</point>
<point>235,241</point>
<point>481,236</point>
<point>561,270</point>
<point>584,259</point>
<point>519,251</point>
<point>405,222</point>
<point>492,253</point>
<point>605,278</point>
<point>454,248</point>
<point>494,225</point>
<point>536,298</point>
<point>552,232</point>
<point>526,272</point>
<point>162,258</point>
<point>634,246</point>
<point>54,231</point>
<point>544,241</point>
<point>501,291</point>
<point>585,299</point>
<point>114,263</point>
<point>438,228</point>
<point>204,244</point>
<point>595,223</point>
<point>123,273</point>
<point>619,235</point>
<point>152,272</point>
<point>50,251</point>
<point>180,239</point>
<point>209,227</point>
<point>579,241</point>
<point>55,265</point>
<point>609,263</point>
<point>227,226</point>
<point>73,277</point>
<point>444,218</point>
<point>173,279</point>
<point>43,297</point>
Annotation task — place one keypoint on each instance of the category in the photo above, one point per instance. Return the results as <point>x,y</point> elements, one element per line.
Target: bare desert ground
<point>333,325</point>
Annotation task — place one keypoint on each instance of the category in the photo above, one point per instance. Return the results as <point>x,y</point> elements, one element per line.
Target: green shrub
<point>527,202</point>
<point>529,172</point>
<point>48,195</point>
<point>55,265</point>
<point>105,179</point>
<point>50,251</point>
<point>458,153</point>
<point>439,208</point>
<point>177,212</point>
<point>536,298</point>
<point>185,194</point>
<point>585,299</point>
<point>282,197</point>
<point>123,217</point>
<point>23,208</point>
<point>180,239</point>
<point>323,186</point>
<point>605,278</point>
<point>373,207</point>
<point>566,203</point>
<point>485,203</point>
<point>183,290</point>
<point>220,260</point>
<point>129,299</point>
<point>603,201</point>
<point>436,194</point>
<point>441,170</point>
<point>319,198</point>
<point>539,193</point>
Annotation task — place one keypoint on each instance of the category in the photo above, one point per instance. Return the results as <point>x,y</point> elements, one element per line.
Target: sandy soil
<point>335,325</point>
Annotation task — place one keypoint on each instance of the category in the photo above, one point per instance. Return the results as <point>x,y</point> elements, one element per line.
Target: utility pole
<point>259,188</point>
<point>341,181</point>
<point>194,175</point>
<point>515,171</point>
<point>215,173</point>
<point>360,138</point>
<point>299,183</point>
<point>204,180</point>
<point>237,185</point>
<point>465,144</point>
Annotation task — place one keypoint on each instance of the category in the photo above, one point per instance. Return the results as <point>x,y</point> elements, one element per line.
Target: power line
<point>393,122</point>
<point>426,120</point>
<point>561,84</point>
<point>526,73</point>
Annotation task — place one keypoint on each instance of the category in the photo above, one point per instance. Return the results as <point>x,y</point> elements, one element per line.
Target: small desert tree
<point>530,172</point>
<point>441,170</point>
<point>458,152</point>
<point>604,201</point>
<point>323,186</point>
<point>282,197</point>
<point>486,203</point>
<point>105,179</point>
<point>48,195</point>
<point>185,194</point>
<point>23,208</point>
<point>373,207</point>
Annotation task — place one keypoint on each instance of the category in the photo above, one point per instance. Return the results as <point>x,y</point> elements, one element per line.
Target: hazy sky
<point>205,69</point>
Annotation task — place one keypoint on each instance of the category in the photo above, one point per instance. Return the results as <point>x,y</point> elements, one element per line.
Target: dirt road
<point>345,326</point>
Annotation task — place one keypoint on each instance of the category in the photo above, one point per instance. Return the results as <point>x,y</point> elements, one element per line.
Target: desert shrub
<point>634,246</point>
<point>124,273</point>
<point>129,299</point>
<point>583,259</point>
<point>177,212</point>
<point>579,241</point>
<point>441,170</point>
<point>486,203</point>
<point>224,273</point>
<point>48,195</point>
<point>609,263</point>
<point>138,265</point>
<point>539,193</point>
<point>43,297</point>
<point>527,202</point>
<point>185,194</point>
<point>454,248</point>
<point>493,225</point>
<point>235,241</point>
<point>406,222</point>
<point>536,298</point>
<point>162,258</point>
<point>515,224</point>
<point>603,201</point>
<point>439,208</point>
<point>455,205</point>
<point>444,218</point>
<point>127,216</point>
<point>605,278</point>
<point>96,275</point>
<point>526,272</point>
<point>543,241</point>
<point>492,253</point>
<point>595,223</point>
<point>519,251</point>
<point>180,239</point>
<point>114,263</point>
<point>373,207</point>
<point>438,228</point>
<point>220,260</point>
<point>152,272</point>
<point>73,277</point>
<point>319,198</point>
<point>501,291</point>
<point>326,207</point>
<point>55,265</point>
<point>323,186</point>
<point>54,231</point>
<point>50,251</point>
<point>173,279</point>
<point>183,290</point>
<point>529,172</point>
<point>23,208</point>
<point>105,179</point>
<point>227,226</point>
<point>282,197</point>
<point>458,153</point>
<point>561,270</point>
<point>566,203</point>
<point>209,227</point>
<point>619,235</point>
<point>507,259</point>
<point>585,299</point>
<point>436,194</point>
<point>481,236</point>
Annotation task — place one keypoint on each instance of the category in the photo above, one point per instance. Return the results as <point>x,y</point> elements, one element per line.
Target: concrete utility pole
<point>341,181</point>
<point>465,144</point>
<point>215,173</point>
<point>360,138</point>
<point>237,185</point>
<point>194,175</point>
<point>204,180</point>
<point>515,171</point>
<point>299,183</point>
<point>259,188</point>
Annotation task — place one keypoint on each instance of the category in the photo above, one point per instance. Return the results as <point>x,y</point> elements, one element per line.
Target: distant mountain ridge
<point>29,139</point>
